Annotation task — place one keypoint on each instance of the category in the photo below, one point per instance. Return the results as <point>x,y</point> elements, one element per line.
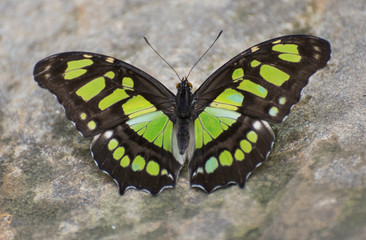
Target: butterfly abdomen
<point>183,135</point>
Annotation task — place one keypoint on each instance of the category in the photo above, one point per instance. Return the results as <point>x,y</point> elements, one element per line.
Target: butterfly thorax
<point>183,101</point>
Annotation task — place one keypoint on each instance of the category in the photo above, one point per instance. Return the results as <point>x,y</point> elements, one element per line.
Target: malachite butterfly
<point>143,133</point>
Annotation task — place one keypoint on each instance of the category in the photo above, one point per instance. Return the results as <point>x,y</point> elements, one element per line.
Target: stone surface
<point>313,185</point>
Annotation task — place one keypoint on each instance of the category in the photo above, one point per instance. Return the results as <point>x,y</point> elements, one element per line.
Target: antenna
<point>162,57</point>
<point>204,53</point>
<point>193,64</point>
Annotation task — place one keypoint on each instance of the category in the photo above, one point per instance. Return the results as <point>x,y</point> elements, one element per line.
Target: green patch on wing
<point>225,158</point>
<point>75,68</point>
<point>289,52</point>
<point>138,163</point>
<point>229,99</point>
<point>238,74</point>
<point>155,127</point>
<point>253,88</point>
<point>273,75</point>
<point>91,89</point>
<point>137,106</point>
<point>211,165</point>
<point>116,96</point>
<point>211,123</point>
<point>153,168</point>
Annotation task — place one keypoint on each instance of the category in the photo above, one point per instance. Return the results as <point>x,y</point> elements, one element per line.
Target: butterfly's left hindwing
<point>232,156</point>
<point>130,113</point>
<point>261,83</point>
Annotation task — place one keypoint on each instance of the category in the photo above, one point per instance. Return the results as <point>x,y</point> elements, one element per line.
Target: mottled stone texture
<point>313,185</point>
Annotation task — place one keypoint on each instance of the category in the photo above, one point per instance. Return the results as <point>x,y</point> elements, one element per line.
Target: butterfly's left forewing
<point>130,114</point>
<point>261,83</point>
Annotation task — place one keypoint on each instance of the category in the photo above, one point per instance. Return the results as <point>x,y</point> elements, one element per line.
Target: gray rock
<point>311,187</point>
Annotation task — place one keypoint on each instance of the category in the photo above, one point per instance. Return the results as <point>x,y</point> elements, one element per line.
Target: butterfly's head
<point>184,84</point>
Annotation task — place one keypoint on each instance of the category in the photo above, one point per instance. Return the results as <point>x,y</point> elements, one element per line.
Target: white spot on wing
<point>170,176</point>
<point>47,67</point>
<point>316,48</point>
<point>254,49</point>
<point>273,111</point>
<point>110,59</point>
<point>317,56</point>
<point>91,145</point>
<point>257,125</point>
<point>108,134</point>
<point>282,100</point>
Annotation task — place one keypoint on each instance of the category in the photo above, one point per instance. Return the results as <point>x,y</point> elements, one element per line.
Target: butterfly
<point>143,133</point>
